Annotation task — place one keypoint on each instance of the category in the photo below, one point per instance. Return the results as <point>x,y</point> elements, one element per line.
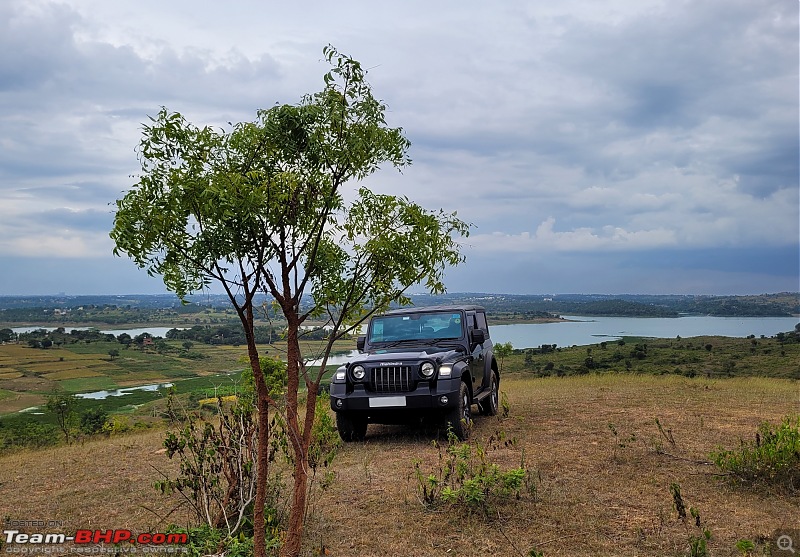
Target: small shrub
<point>116,425</point>
<point>745,547</point>
<point>698,544</point>
<point>505,406</point>
<point>773,458</point>
<point>697,535</point>
<point>217,465</point>
<point>665,433</point>
<point>620,442</point>
<point>466,479</point>
<point>205,540</point>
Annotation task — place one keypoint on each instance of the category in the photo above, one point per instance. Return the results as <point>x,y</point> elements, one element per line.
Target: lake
<point>102,395</point>
<point>583,330</point>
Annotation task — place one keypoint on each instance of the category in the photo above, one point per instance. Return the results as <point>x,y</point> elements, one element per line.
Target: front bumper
<point>428,397</point>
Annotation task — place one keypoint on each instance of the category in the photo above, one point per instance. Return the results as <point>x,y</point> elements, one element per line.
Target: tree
<point>260,209</point>
<point>141,339</point>
<point>502,351</point>
<point>93,420</point>
<point>6,335</point>
<point>62,405</point>
<point>113,353</point>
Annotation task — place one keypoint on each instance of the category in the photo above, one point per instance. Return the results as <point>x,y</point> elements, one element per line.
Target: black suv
<point>417,363</point>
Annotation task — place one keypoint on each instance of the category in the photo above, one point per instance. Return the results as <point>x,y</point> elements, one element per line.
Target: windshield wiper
<point>399,342</point>
<point>447,341</point>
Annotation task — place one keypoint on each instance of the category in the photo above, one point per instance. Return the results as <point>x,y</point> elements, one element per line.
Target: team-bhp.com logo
<point>15,540</point>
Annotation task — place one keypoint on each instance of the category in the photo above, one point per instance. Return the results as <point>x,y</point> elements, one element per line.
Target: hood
<point>436,353</point>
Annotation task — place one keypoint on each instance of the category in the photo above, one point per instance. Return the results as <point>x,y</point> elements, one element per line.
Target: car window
<point>416,326</point>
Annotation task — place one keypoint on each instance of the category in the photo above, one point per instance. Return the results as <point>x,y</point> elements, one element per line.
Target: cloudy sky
<point>625,146</point>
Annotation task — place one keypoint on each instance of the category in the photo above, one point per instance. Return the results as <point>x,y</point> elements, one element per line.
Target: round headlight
<point>427,369</point>
<point>359,373</point>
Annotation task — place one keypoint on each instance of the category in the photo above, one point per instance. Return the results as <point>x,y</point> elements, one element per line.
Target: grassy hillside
<point>602,471</point>
<point>692,357</point>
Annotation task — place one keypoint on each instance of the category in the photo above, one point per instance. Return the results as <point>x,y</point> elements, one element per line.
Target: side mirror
<point>478,336</point>
<point>361,341</point>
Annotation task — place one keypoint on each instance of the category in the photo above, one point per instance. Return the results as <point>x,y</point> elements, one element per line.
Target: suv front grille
<point>391,379</point>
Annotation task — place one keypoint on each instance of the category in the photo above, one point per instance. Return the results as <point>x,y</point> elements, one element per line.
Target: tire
<point>351,428</point>
<point>491,404</point>
<point>459,419</point>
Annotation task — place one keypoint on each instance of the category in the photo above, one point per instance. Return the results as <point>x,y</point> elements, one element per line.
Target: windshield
<point>416,326</point>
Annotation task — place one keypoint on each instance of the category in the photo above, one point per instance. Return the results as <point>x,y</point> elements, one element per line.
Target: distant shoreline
<point>122,326</point>
<point>525,320</point>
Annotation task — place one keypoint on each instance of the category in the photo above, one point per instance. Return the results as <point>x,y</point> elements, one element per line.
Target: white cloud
<point>547,239</point>
<point>58,244</point>
<point>553,127</point>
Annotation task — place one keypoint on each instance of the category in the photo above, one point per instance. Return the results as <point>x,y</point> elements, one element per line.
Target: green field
<point>30,375</point>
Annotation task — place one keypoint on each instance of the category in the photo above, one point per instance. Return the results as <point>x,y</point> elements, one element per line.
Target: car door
<point>476,363</point>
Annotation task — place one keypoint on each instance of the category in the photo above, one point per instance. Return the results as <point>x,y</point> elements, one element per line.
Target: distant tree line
<point>164,309</point>
<point>206,334</point>
<point>233,335</point>
<point>112,314</point>
<point>42,338</point>
<point>783,304</point>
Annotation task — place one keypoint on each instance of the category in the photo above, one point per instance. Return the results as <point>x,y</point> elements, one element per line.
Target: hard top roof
<point>418,309</point>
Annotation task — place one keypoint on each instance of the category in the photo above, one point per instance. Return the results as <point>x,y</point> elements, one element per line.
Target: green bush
<point>31,435</point>
<point>116,425</point>
<point>93,420</point>
<point>205,540</point>
<point>467,480</point>
<point>773,458</point>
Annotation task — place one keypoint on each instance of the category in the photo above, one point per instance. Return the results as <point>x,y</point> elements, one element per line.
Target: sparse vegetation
<point>217,460</point>
<point>771,459</point>
<point>502,350</point>
<point>728,357</point>
<point>697,535</point>
<point>62,406</point>
<point>467,480</point>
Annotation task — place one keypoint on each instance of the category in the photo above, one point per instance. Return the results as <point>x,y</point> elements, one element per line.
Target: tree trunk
<point>262,454</point>
<point>262,470</point>
<point>300,440</point>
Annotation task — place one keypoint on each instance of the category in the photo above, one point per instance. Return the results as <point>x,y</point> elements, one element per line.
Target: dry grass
<point>66,365</point>
<point>76,373</point>
<point>19,401</point>
<point>11,354</point>
<point>595,497</point>
<point>98,484</point>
